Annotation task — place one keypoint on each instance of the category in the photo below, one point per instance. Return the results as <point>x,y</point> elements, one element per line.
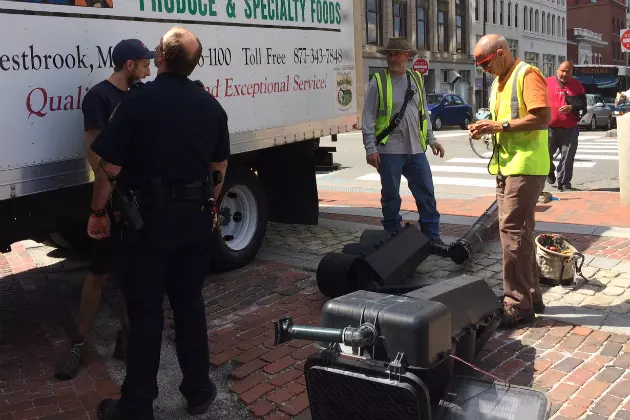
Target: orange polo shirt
<point>534,89</point>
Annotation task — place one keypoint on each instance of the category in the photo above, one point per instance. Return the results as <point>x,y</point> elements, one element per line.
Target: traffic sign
<point>625,40</point>
<point>421,65</point>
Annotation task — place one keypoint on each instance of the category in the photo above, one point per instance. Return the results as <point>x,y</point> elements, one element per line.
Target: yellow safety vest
<point>518,152</point>
<point>385,104</point>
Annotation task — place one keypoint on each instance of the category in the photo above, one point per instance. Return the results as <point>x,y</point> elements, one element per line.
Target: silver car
<point>597,114</point>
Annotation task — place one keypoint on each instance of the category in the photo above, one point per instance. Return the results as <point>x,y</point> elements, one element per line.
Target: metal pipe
<point>462,249</point>
<point>363,336</point>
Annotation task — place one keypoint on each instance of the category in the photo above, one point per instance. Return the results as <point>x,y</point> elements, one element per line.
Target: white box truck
<point>286,71</point>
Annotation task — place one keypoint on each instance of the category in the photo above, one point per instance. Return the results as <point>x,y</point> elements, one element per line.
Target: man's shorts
<point>104,253</point>
<point>102,257</point>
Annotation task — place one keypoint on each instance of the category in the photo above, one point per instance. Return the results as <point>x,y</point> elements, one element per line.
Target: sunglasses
<point>486,61</point>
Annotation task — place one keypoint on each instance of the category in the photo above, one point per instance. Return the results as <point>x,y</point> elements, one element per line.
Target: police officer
<point>159,149</point>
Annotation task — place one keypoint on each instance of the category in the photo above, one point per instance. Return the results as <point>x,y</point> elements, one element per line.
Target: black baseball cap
<point>131,49</point>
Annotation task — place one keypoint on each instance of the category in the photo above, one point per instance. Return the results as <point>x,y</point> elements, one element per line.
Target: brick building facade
<point>605,17</point>
<point>438,29</point>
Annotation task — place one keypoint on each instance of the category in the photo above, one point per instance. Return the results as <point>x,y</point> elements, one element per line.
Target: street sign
<point>421,65</point>
<point>625,40</point>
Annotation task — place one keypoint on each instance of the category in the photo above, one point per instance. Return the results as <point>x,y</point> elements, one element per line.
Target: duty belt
<point>192,191</point>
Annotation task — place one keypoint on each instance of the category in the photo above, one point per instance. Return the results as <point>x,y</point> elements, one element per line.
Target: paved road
<point>461,174</point>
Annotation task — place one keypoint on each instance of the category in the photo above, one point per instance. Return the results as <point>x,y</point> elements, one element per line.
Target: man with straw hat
<point>396,131</point>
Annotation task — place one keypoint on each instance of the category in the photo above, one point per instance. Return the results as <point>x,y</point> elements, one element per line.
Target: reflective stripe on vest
<point>384,115</point>
<point>517,152</point>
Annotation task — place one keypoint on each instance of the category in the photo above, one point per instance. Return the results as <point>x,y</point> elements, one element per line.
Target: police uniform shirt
<point>171,128</point>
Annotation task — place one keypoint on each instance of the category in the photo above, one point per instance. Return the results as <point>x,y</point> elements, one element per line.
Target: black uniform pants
<point>146,275</point>
<point>565,139</point>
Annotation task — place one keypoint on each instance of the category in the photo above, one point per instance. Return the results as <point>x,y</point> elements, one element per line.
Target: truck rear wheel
<point>243,218</point>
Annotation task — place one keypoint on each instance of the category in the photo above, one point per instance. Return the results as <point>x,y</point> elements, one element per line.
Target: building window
<point>442,30</point>
<point>548,23</point>
<point>422,24</point>
<point>494,11</point>
<point>561,59</point>
<point>513,47</point>
<point>373,23</point>
<point>516,16</point>
<point>558,27</point>
<point>548,65</point>
<point>531,19</point>
<point>525,17</point>
<point>400,19</point>
<point>501,14</point>
<point>465,76</point>
<point>543,22</point>
<point>477,10</point>
<point>509,14</point>
<point>553,25</point>
<point>564,34</point>
<point>485,11</point>
<point>531,58</point>
<point>460,28</point>
<point>537,20</point>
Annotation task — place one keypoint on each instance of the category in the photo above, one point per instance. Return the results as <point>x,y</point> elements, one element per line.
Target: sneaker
<point>69,367</point>
<point>197,409</point>
<point>120,351</point>
<point>513,316</point>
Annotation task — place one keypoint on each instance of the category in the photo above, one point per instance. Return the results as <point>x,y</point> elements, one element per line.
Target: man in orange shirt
<point>520,114</point>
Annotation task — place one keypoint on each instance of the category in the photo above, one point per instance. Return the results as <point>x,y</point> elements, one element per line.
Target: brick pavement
<point>587,207</point>
<point>31,341</point>
<point>579,367</point>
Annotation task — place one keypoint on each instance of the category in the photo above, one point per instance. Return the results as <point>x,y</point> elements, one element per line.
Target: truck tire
<point>242,223</point>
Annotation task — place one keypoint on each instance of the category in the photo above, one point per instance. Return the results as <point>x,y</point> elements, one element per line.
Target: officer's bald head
<point>181,50</point>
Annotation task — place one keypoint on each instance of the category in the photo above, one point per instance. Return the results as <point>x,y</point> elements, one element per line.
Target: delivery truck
<point>287,72</point>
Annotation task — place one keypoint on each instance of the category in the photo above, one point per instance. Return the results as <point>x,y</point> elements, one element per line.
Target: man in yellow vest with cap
<point>396,132</point>
<point>521,111</point>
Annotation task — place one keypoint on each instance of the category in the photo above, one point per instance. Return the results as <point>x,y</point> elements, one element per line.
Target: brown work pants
<point>517,197</point>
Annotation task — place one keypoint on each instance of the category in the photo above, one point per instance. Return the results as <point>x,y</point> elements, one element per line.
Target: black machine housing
<point>393,357</point>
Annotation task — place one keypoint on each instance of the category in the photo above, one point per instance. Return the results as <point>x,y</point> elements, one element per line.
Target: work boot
<point>196,408</point>
<point>513,316</point>
<point>69,367</point>
<point>122,340</point>
<point>436,242</point>
<point>551,178</point>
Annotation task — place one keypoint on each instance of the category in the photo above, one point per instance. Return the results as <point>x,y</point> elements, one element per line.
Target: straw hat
<point>398,44</point>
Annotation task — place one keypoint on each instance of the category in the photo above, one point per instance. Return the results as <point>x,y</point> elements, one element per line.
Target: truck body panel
<point>287,72</point>
<point>280,81</point>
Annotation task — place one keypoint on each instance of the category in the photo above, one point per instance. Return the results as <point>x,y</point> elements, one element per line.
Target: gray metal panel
<point>50,176</point>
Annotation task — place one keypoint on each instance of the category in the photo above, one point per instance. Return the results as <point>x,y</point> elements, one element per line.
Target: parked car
<point>597,113</point>
<point>447,109</point>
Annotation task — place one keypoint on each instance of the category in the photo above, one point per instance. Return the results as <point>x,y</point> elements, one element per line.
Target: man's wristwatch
<point>505,125</point>
<point>98,213</point>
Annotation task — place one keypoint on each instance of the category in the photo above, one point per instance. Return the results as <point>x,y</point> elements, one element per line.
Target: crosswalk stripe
<point>460,169</point>
<point>447,135</point>
<point>598,145</point>
<point>597,157</point>
<point>485,162</point>
<point>580,150</point>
